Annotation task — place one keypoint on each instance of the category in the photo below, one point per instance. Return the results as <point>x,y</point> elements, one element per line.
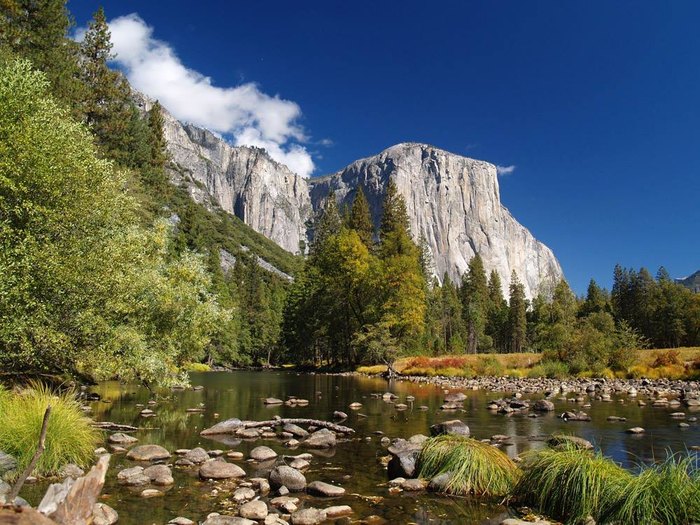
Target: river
<point>354,464</point>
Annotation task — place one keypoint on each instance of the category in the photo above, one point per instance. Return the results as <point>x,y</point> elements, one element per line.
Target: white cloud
<point>244,112</point>
<point>505,170</point>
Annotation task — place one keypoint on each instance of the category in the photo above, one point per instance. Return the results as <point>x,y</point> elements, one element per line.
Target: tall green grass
<point>473,467</point>
<point>668,493</point>
<point>570,484</point>
<point>69,437</point>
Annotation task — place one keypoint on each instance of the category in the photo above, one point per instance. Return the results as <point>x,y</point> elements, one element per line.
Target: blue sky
<point>596,104</point>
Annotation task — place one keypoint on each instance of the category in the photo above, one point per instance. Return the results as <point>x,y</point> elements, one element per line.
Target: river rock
<point>253,510</point>
<point>197,456</point>
<point>299,464</point>
<point>248,433</point>
<point>575,416</point>
<point>272,401</point>
<point>214,469</point>
<point>284,476</point>
<point>439,483</point>
<point>543,405</point>
<point>578,442</point>
<point>355,406</point>
<point>262,485</point>
<point>121,439</point>
<point>262,454</point>
<point>455,397</point>
<point>159,475</point>
<point>339,415</point>
<point>181,520</point>
<point>414,484</point>
<point>338,511</point>
<point>104,515</point>
<point>243,494</point>
<point>151,493</point>
<point>322,438</point>
<point>133,476</point>
<point>224,427</point>
<point>310,516</point>
<point>218,519</point>
<point>454,426</point>
<point>7,462</point>
<point>403,459</point>
<point>320,488</point>
<point>71,470</point>
<point>295,430</point>
<point>148,453</point>
<point>635,430</point>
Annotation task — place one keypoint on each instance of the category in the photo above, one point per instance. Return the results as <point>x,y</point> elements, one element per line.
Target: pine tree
<point>327,223</point>
<point>107,105</point>
<point>474,294</point>
<point>597,300</point>
<point>38,31</point>
<point>497,313</point>
<point>394,214</point>
<point>517,314</point>
<point>159,152</point>
<point>360,219</point>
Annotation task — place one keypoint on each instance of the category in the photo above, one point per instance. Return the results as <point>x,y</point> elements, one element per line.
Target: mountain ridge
<point>453,201</point>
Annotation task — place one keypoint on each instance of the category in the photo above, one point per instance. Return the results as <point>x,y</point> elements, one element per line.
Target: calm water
<point>355,464</point>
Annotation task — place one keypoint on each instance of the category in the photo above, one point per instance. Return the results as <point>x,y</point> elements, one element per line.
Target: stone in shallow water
<point>196,455</point>
<point>320,488</point>
<point>151,493</point>
<point>262,453</point>
<point>148,453</point>
<point>220,470</point>
<point>284,476</point>
<point>122,439</point>
<point>180,520</point>
<point>254,510</point>
<point>217,519</point>
<point>454,426</point>
<point>338,511</point>
<point>295,430</point>
<point>104,515</point>
<point>323,438</point>
<point>159,475</point>
<point>224,427</point>
<point>635,430</point>
<point>133,477</point>
<point>310,516</point>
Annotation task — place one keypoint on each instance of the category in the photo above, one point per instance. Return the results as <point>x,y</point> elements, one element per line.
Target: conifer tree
<point>360,219</point>
<point>517,314</point>
<point>106,106</point>
<point>38,31</point>
<point>474,294</point>
<point>394,214</point>
<point>497,313</point>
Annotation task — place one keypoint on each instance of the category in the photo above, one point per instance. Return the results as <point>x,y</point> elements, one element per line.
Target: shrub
<point>69,439</point>
<point>474,467</point>
<point>489,366</point>
<point>197,367</point>
<point>667,358</point>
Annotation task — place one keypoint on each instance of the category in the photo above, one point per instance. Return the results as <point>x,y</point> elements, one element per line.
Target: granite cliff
<point>453,202</point>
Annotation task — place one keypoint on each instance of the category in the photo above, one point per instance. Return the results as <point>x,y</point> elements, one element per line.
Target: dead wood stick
<point>39,451</point>
<point>299,421</point>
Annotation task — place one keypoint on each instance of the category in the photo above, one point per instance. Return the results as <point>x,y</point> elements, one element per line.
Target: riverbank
<point>653,364</point>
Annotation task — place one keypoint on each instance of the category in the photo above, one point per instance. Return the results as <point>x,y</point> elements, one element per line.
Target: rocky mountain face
<point>692,282</point>
<point>453,202</point>
<point>244,181</point>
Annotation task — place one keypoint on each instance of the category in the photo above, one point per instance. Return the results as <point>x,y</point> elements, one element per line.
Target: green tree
<point>517,318</point>
<point>497,314</point>
<point>38,31</point>
<point>107,106</point>
<point>360,218</point>
<point>474,295</point>
<point>85,289</point>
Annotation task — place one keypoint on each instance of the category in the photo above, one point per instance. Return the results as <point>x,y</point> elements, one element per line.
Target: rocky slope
<point>243,181</point>
<point>453,201</point>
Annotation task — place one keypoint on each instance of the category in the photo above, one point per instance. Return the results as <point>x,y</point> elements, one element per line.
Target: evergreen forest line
<point>109,270</point>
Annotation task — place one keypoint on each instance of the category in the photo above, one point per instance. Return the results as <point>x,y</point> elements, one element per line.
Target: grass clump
<point>668,493</point>
<point>571,484</point>
<point>69,437</point>
<point>473,467</point>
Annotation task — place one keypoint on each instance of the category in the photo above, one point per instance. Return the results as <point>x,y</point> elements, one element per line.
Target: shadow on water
<point>354,464</point>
